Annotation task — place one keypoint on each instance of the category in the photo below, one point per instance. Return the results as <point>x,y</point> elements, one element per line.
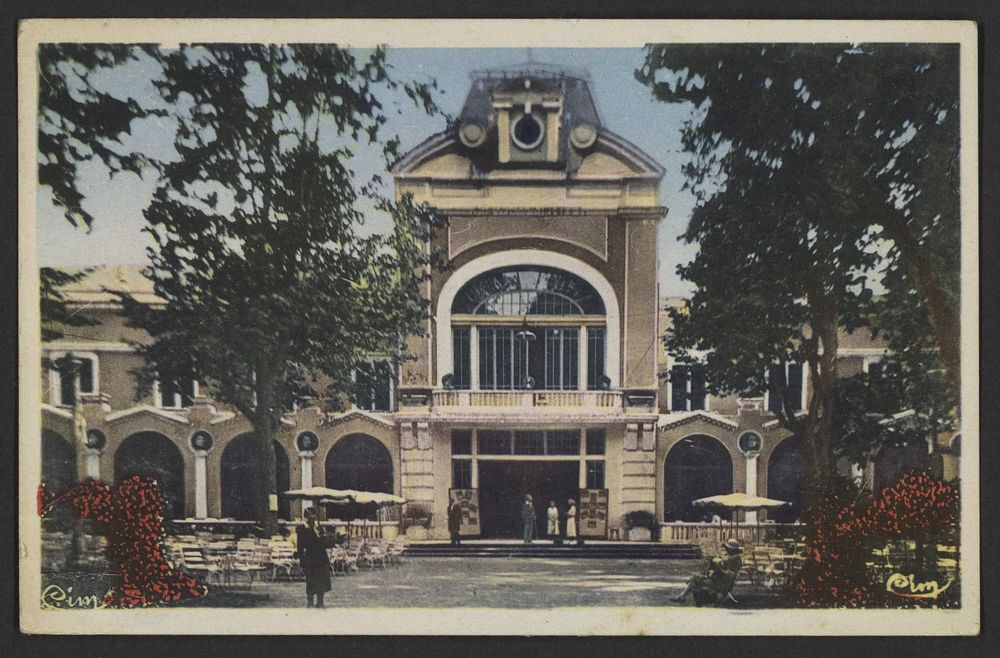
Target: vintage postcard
<point>498,327</point>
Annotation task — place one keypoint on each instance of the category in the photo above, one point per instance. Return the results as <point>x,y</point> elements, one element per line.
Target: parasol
<point>741,501</point>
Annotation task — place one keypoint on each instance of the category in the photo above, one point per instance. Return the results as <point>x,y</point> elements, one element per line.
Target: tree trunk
<point>942,308</point>
<point>817,444</point>
<point>266,432</point>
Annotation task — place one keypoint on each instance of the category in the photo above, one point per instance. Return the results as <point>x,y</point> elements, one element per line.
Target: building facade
<point>542,370</point>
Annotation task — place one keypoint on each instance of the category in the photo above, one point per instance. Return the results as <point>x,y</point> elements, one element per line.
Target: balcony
<point>605,401</point>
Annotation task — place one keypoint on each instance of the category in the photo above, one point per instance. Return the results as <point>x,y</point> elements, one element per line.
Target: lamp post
<point>527,337</point>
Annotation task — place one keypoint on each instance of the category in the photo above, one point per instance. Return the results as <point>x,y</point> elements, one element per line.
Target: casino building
<point>542,370</point>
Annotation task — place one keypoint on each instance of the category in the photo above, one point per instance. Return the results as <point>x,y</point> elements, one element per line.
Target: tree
<point>264,273</point>
<point>877,124</point>
<point>803,164</point>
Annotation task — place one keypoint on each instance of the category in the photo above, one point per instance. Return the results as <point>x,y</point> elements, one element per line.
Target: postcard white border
<point>560,621</point>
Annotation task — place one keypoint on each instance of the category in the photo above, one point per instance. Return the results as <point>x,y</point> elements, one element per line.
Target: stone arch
<point>359,461</point>
<point>156,456</point>
<point>696,466</point>
<point>785,479</point>
<point>58,461</point>
<point>238,478</point>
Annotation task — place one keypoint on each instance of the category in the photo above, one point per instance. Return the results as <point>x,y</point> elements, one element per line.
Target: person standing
<point>571,521</point>
<point>455,522</point>
<point>528,518</point>
<point>553,517</point>
<point>313,558</point>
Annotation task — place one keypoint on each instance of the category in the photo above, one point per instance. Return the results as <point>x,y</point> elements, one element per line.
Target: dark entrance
<point>154,456</point>
<point>696,467</point>
<point>784,480</point>
<point>239,479</point>
<point>503,484</point>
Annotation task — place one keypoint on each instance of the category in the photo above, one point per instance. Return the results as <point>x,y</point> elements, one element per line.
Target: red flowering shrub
<point>842,533</point>
<point>132,514</point>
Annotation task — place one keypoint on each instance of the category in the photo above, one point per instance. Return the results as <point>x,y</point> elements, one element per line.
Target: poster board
<point>593,513</point>
<point>469,500</point>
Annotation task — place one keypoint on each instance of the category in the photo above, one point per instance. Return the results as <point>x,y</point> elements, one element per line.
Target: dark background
<point>985,12</point>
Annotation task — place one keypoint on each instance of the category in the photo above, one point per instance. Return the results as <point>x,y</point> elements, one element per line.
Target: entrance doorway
<point>503,484</point>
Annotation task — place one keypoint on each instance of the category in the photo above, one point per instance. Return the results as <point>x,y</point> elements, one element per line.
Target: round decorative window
<point>307,442</point>
<point>202,440</point>
<point>96,439</point>
<point>527,131</point>
<point>750,442</point>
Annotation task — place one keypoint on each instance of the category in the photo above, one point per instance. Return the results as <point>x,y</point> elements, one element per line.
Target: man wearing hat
<point>717,581</point>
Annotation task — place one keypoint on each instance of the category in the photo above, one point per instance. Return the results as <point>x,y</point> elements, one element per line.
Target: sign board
<point>469,500</point>
<point>593,513</point>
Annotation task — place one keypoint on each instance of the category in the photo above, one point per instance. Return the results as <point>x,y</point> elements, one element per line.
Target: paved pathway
<point>462,582</point>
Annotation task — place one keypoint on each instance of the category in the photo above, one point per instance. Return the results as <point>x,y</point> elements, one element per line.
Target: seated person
<point>717,580</point>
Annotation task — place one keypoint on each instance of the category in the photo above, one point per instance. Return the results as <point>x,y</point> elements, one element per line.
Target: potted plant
<point>640,525</point>
<point>416,521</point>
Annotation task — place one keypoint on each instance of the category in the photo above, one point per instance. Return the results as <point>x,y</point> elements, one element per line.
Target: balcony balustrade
<point>603,400</point>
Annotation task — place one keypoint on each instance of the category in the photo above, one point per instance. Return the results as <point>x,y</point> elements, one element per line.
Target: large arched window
<point>239,478</point>
<point>528,327</point>
<point>153,455</point>
<point>696,467</point>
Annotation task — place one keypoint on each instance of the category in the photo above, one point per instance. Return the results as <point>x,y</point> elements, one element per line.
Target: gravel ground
<point>472,582</point>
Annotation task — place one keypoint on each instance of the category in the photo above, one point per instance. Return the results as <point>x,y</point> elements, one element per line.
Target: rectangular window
<point>176,394</point>
<point>596,441</point>
<point>461,474</point>
<point>501,361</point>
<point>562,355</point>
<point>373,386</point>
<point>687,388</point>
<point>595,474</point>
<point>461,442</point>
<point>529,443</point>
<point>595,357</point>
<point>460,349</point>
<point>784,382</point>
<point>562,442</point>
<point>76,375</point>
<point>494,442</point>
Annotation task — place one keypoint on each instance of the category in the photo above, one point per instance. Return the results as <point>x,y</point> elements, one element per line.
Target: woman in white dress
<point>571,521</point>
<point>553,516</point>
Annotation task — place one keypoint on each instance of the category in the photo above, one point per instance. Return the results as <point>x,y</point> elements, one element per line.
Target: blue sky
<point>626,107</point>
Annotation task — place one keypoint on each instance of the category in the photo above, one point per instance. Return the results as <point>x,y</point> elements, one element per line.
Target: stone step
<point>587,551</point>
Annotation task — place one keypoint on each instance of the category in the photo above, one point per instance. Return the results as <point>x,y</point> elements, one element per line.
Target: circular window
<point>750,442</point>
<point>202,440</point>
<point>96,439</point>
<point>307,442</point>
<point>527,131</point>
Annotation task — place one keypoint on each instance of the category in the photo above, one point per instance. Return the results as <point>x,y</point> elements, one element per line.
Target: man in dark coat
<point>313,558</point>
<point>528,518</point>
<point>455,523</point>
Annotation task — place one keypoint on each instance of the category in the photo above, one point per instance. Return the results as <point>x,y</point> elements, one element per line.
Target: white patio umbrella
<point>377,498</point>
<point>316,494</point>
<point>741,501</point>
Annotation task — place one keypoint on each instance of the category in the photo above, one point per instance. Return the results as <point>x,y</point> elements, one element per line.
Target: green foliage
<point>56,316</point>
<point>822,172</point>
<point>819,157</point>
<point>266,275</point>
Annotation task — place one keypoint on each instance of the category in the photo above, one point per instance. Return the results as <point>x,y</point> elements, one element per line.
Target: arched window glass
<point>520,291</point>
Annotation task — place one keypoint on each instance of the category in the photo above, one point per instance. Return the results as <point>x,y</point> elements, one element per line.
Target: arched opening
<point>239,479</point>
<point>153,455</point>
<point>58,462</point>
<point>897,459</point>
<point>359,462</point>
<point>785,479</point>
<point>696,466</point>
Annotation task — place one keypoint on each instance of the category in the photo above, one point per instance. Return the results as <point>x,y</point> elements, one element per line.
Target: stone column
<point>200,484</point>
<point>751,485</point>
<point>92,463</point>
<point>306,469</point>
